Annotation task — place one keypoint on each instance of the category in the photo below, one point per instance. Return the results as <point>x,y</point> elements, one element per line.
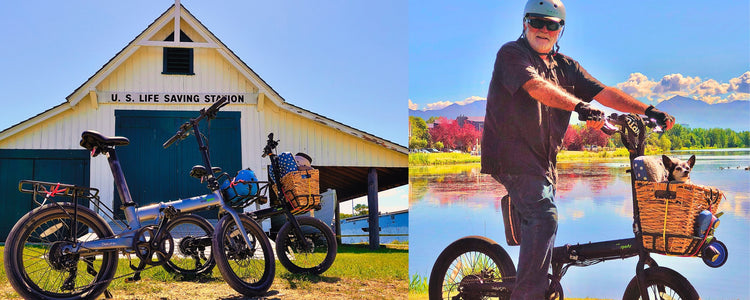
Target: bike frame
<point>583,255</point>
<point>134,215</point>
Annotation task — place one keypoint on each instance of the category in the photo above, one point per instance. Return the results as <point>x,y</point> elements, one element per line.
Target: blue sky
<point>651,49</point>
<point>345,60</point>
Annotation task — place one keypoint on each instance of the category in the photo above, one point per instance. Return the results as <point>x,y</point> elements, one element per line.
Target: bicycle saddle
<point>91,139</point>
<point>199,171</point>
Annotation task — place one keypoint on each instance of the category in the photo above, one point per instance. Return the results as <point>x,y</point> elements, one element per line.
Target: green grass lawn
<point>355,265</point>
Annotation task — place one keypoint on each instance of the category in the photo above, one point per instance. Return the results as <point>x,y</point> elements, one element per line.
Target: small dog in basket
<point>677,169</point>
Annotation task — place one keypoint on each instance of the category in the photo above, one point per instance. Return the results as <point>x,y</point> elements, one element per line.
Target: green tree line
<point>679,137</point>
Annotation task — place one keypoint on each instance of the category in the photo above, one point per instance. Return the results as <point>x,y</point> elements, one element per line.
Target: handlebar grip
<point>214,108</point>
<point>171,140</point>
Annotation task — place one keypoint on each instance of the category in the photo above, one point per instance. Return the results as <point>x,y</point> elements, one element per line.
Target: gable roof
<point>173,16</point>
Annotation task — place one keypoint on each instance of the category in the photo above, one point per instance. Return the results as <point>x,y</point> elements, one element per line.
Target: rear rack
<point>46,190</point>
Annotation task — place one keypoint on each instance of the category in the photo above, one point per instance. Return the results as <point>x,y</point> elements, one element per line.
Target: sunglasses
<point>540,23</point>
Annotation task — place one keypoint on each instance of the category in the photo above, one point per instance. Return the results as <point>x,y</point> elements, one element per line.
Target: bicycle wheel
<point>248,270</point>
<point>192,234</point>
<point>663,283</point>
<point>470,259</point>
<point>319,237</point>
<point>36,265</point>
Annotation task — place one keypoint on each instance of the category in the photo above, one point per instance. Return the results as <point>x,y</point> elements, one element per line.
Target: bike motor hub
<point>58,259</point>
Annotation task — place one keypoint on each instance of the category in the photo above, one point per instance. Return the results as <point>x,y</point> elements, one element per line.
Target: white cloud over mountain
<point>709,90</point>
<point>640,86</point>
<point>443,104</point>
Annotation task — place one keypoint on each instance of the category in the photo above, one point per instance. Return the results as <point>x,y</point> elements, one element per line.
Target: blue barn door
<point>155,174</point>
<point>63,166</point>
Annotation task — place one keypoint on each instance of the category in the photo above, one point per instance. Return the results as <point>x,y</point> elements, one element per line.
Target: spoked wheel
<point>662,284</point>
<point>247,269</point>
<point>37,262</point>
<point>192,236</point>
<point>319,255</point>
<point>471,260</point>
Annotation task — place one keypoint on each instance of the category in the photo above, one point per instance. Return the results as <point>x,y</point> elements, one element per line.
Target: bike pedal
<point>136,277</point>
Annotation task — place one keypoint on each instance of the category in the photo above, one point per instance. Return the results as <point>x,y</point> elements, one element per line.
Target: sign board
<point>174,98</point>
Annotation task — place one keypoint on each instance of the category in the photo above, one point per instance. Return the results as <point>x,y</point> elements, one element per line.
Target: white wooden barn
<point>161,78</point>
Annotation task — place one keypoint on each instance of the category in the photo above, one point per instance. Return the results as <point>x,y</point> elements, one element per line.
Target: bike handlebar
<point>185,128</point>
<point>270,145</point>
<point>617,122</point>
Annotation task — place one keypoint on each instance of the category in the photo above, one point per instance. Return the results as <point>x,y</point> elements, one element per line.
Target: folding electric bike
<point>303,244</point>
<point>476,267</point>
<point>64,250</point>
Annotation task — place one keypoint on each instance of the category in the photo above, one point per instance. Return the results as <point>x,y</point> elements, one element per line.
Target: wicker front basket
<point>668,212</point>
<point>301,190</point>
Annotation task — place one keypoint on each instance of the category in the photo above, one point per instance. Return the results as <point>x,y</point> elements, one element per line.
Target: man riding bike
<point>532,93</point>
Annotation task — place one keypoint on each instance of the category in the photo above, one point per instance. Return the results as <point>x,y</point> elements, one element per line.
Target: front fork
<point>640,272</point>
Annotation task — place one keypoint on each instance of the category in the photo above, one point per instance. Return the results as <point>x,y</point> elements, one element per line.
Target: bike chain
<point>130,261</point>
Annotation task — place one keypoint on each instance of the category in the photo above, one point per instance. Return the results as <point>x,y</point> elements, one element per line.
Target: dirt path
<point>332,288</point>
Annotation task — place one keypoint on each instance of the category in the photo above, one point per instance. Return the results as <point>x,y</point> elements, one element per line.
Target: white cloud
<point>638,85</point>
<point>738,96</point>
<point>412,105</point>
<point>709,90</point>
<point>470,100</point>
<point>711,87</point>
<point>438,105</point>
<point>740,84</point>
<point>675,83</point>
<point>443,104</point>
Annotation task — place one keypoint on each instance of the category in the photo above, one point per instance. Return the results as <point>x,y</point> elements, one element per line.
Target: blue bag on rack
<point>243,185</point>
<point>287,163</point>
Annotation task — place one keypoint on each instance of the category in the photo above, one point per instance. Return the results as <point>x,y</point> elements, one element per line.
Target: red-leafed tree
<point>445,131</point>
<point>572,140</point>
<point>468,136</point>
<point>593,137</point>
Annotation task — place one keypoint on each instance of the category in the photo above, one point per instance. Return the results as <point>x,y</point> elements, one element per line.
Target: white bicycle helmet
<point>549,9</point>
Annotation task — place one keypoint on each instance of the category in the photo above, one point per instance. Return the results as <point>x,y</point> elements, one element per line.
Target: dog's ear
<point>691,161</point>
<point>667,162</point>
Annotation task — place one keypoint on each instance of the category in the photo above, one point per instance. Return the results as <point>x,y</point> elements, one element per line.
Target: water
<point>594,204</point>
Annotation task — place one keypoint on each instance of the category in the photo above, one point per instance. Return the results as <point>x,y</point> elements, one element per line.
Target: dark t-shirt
<point>522,135</point>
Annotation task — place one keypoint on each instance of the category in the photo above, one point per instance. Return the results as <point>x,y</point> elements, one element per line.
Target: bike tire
<point>662,280</point>
<point>190,260</point>
<point>295,259</point>
<point>241,267</point>
<point>32,243</point>
<point>478,252</point>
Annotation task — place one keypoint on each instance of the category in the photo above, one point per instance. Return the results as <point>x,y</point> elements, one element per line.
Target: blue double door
<point>155,174</point>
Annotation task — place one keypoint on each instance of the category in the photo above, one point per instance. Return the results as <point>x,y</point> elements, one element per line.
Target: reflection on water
<point>594,204</point>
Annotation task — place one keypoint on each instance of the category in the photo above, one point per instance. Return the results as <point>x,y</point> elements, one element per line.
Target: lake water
<point>594,204</point>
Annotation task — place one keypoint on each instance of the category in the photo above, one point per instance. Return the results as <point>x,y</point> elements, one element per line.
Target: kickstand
<point>107,294</point>
<point>138,269</point>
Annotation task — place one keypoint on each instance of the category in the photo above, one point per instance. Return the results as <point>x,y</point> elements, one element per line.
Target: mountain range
<point>688,112</point>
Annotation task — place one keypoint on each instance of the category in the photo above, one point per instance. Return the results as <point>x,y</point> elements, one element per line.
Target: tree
<point>572,140</point>
<point>593,137</point>
<point>445,131</point>
<point>419,135</point>
<point>415,143</point>
<point>467,137</point>
<point>361,210</point>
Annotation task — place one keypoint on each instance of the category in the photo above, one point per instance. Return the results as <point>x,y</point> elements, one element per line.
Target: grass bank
<point>440,159</point>
<point>357,273</point>
<point>426,159</point>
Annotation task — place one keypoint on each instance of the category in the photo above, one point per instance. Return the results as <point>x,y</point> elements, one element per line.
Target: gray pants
<point>533,197</point>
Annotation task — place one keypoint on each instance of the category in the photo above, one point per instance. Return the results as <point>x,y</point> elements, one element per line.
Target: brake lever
<point>609,128</point>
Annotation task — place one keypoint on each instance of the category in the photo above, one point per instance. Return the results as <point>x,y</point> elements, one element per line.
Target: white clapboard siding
<point>137,69</point>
